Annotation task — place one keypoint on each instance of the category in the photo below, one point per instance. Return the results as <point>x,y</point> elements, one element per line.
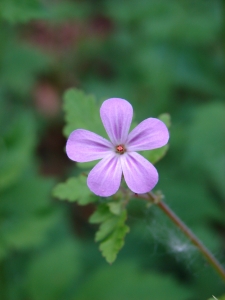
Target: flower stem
<point>156,199</point>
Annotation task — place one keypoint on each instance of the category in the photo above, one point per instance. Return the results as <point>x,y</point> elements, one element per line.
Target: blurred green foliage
<point>162,56</point>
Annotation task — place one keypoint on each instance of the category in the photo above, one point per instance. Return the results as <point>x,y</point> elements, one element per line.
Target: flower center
<point>120,149</point>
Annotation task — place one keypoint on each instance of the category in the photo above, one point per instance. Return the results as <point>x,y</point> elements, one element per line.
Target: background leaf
<point>74,189</point>
<point>81,111</point>
<point>126,281</point>
<point>25,210</point>
<point>52,272</point>
<point>22,11</point>
<point>16,147</point>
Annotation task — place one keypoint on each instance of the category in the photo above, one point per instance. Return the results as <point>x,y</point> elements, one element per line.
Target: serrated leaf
<point>81,111</point>
<point>114,242</point>
<point>101,214</point>
<point>115,207</point>
<point>106,228</point>
<point>155,155</point>
<point>74,189</point>
<point>111,246</point>
<point>112,230</point>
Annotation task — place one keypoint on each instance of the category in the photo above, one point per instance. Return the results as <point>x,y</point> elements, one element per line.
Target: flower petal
<point>84,146</point>
<point>104,179</point>
<point>149,134</point>
<point>116,115</point>
<point>140,175</point>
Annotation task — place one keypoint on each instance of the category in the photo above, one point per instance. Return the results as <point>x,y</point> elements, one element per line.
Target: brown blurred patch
<point>47,99</point>
<point>54,38</point>
<point>53,159</point>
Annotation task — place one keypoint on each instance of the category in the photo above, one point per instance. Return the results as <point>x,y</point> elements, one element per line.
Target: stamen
<point>120,149</point>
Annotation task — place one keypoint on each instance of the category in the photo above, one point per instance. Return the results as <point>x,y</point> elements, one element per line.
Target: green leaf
<point>155,155</point>
<point>112,229</point>
<point>74,189</point>
<point>86,166</point>
<point>101,214</point>
<point>81,111</point>
<point>166,119</point>
<point>111,246</point>
<point>106,228</point>
<point>115,207</point>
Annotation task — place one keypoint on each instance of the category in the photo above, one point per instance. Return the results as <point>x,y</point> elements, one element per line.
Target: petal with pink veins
<point>83,146</point>
<point>140,175</point>
<point>116,115</point>
<point>149,134</point>
<point>104,179</point>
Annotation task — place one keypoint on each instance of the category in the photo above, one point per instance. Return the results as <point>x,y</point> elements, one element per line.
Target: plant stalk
<point>156,199</point>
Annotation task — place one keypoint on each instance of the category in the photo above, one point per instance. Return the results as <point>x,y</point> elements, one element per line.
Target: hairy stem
<point>156,199</point>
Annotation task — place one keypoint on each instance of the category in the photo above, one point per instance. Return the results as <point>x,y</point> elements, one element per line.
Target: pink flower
<point>118,156</point>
